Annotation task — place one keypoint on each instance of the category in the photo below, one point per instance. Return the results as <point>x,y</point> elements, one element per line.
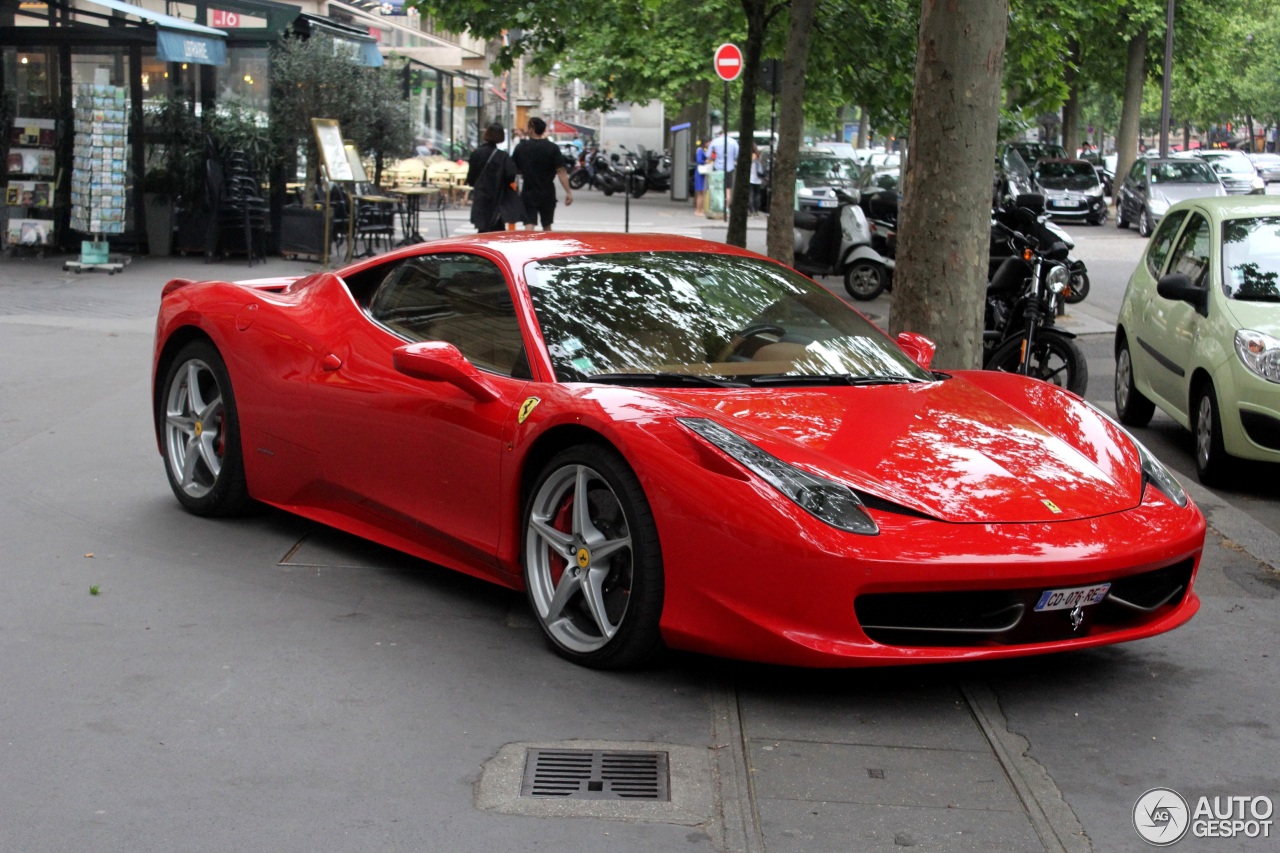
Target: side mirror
<point>1178,287</point>
<point>437,361</point>
<point>920,348</point>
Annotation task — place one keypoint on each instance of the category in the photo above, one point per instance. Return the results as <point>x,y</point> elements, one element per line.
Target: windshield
<point>1229,165</point>
<point>671,318</point>
<point>1065,169</point>
<point>1182,172</point>
<point>1251,258</point>
<point>825,171</point>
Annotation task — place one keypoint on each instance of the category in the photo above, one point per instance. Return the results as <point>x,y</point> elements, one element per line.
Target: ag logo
<point>526,408</point>
<point>1161,816</point>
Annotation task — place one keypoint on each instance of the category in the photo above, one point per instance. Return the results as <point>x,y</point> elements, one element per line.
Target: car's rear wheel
<point>592,560</point>
<point>865,279</point>
<point>1212,461</point>
<point>200,433</point>
<point>1132,407</point>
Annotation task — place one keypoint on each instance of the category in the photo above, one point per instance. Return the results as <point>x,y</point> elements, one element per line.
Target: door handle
<point>330,363</point>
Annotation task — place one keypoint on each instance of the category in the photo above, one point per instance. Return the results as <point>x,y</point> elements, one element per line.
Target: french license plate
<point>1064,599</point>
<point>827,202</point>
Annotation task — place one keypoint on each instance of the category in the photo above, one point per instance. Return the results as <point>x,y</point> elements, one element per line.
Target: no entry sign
<point>728,61</point>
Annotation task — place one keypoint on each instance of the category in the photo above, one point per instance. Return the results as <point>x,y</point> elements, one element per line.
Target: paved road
<point>268,684</point>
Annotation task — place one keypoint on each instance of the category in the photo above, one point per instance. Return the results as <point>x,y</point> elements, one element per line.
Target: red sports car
<point>672,443</point>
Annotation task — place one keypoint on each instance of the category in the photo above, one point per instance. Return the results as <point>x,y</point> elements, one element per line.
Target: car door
<point>1134,193</point>
<point>422,457</point>
<point>1170,328</point>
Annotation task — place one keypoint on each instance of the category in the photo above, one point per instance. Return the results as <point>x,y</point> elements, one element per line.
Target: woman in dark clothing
<point>492,175</point>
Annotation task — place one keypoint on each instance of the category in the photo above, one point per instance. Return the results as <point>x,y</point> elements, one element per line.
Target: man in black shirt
<point>541,163</point>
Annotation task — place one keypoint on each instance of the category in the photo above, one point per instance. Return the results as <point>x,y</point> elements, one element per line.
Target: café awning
<point>177,40</point>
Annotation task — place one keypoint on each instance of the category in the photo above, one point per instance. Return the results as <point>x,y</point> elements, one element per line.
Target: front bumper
<point>1075,207</point>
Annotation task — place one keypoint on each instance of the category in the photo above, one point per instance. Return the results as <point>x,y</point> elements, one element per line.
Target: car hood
<point>1174,193</point>
<point>951,450</point>
<point>1256,315</point>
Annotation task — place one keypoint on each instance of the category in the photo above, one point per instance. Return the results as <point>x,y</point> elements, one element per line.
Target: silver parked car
<point>1268,166</point>
<point>1236,171</point>
<point>1152,185</point>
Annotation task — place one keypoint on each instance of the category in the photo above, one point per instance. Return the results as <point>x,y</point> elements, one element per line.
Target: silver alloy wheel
<point>1124,378</point>
<point>1204,431</point>
<point>193,428</point>
<point>579,559</point>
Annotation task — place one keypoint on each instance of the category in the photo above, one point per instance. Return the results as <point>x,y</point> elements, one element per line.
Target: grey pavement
<point>270,684</point>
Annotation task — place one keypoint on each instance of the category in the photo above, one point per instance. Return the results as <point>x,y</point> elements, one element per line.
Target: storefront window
<point>103,67</point>
<point>245,78</point>
<point>31,80</point>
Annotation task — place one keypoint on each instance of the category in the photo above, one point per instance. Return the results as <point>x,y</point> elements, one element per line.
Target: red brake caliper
<point>563,522</point>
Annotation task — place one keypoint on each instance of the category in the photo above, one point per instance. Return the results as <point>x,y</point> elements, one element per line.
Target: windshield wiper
<point>663,379</point>
<point>785,379</point>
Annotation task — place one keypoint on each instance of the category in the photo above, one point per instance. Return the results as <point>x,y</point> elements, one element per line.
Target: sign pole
<point>725,151</point>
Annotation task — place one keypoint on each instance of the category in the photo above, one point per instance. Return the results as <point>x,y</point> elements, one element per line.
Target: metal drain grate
<point>594,774</point>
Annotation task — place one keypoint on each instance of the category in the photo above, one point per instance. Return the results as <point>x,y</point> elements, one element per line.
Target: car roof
<point>518,248</point>
<point>1234,206</point>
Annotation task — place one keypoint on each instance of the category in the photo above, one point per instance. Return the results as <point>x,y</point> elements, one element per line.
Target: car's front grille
<point>1008,617</point>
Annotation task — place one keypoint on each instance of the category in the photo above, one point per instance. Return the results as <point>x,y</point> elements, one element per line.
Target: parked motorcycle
<point>839,243</point>
<point>1019,335</point>
<point>582,173</point>
<point>655,167</point>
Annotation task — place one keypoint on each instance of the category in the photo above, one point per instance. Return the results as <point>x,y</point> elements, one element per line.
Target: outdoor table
<point>413,198</point>
<point>353,215</point>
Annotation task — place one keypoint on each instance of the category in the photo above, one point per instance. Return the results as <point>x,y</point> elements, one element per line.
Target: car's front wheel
<point>1145,224</point>
<point>1212,461</point>
<point>200,433</point>
<point>1132,407</point>
<point>592,560</point>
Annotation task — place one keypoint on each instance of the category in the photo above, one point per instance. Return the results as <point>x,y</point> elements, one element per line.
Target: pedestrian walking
<point>702,168</point>
<point>724,160</point>
<point>757,180</point>
<point>541,162</point>
<point>492,175</point>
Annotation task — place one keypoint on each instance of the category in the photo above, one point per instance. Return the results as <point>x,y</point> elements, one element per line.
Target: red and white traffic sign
<point>728,61</point>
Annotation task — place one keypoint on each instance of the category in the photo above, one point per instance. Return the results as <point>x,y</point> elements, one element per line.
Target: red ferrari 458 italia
<point>672,443</point>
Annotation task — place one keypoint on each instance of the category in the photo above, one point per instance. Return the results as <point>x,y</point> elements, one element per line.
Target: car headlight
<point>1257,183</point>
<point>829,502</point>
<point>1058,278</point>
<point>1153,471</point>
<point>1260,353</point>
<point>1095,191</point>
<point>1159,204</point>
<point>805,192</point>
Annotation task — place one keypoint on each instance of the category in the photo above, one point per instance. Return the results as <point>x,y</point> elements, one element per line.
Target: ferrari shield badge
<point>526,409</point>
<point>1053,507</point>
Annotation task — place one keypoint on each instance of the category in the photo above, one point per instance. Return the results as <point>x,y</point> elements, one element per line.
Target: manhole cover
<point>596,774</point>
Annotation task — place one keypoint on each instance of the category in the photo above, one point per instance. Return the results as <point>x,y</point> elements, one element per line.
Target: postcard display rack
<point>98,172</point>
<point>31,176</point>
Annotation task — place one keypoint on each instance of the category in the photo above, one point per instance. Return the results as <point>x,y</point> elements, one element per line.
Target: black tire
<point>602,616</point>
<point>637,186</point>
<point>865,279</point>
<point>1121,222</point>
<point>577,180</point>
<point>607,188</point>
<point>1079,287</point>
<point>1132,407</point>
<point>1213,465</point>
<point>1056,359</point>
<point>205,423</point>
<point>1145,226</point>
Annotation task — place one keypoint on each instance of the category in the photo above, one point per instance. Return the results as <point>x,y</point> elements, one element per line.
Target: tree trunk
<point>757,23</point>
<point>863,129</point>
<point>1071,109</point>
<point>941,277</point>
<point>1127,137</point>
<point>781,234</point>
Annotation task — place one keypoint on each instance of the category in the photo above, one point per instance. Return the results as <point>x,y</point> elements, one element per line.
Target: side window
<point>1139,169</point>
<point>1162,241</point>
<point>1191,256</point>
<point>461,299</point>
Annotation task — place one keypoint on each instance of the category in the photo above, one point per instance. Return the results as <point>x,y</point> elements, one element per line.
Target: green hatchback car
<point>1199,330</point>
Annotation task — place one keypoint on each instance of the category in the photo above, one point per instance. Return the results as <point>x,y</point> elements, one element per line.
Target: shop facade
<point>203,54</point>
